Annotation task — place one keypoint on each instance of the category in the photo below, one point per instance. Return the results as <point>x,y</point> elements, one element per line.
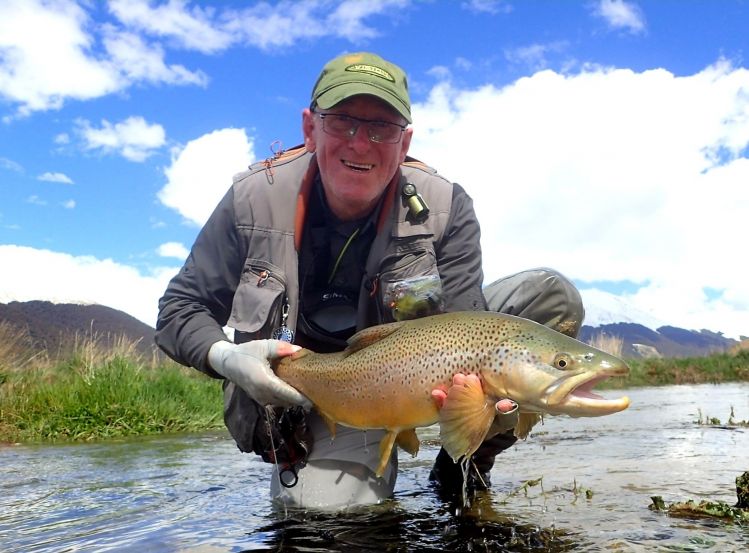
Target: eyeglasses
<point>345,126</point>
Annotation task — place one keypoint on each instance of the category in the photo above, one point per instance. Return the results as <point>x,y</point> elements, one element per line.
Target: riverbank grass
<point>713,369</point>
<point>97,394</point>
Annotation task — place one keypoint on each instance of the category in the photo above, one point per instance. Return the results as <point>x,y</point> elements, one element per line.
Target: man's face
<point>355,171</point>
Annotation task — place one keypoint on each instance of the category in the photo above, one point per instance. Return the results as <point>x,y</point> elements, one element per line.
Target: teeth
<point>358,166</point>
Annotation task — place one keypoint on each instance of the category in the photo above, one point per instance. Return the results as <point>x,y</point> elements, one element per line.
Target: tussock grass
<point>608,343</point>
<point>16,349</point>
<point>98,392</point>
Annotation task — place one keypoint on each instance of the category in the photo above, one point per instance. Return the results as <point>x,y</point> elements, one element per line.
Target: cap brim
<point>337,94</point>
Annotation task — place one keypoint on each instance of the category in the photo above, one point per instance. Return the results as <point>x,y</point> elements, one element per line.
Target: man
<point>340,234</point>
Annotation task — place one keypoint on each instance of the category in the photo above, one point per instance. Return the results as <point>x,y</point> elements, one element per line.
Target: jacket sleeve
<point>197,302</point>
<point>459,256</point>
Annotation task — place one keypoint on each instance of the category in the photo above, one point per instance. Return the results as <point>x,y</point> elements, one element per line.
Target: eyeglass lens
<point>346,126</point>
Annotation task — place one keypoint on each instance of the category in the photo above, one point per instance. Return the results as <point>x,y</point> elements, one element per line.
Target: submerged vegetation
<point>732,421</point>
<point>92,391</point>
<point>710,509</point>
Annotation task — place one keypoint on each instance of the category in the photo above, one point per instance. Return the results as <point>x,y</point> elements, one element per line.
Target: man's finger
<point>505,406</point>
<point>439,396</point>
<point>279,348</point>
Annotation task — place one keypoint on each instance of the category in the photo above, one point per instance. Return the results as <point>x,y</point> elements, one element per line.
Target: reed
<point>608,343</point>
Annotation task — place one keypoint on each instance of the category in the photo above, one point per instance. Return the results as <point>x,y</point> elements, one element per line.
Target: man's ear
<point>308,128</point>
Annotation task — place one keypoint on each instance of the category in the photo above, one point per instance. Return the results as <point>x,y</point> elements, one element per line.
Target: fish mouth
<point>574,395</point>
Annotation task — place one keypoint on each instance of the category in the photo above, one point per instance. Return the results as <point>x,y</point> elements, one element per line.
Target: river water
<point>198,494</point>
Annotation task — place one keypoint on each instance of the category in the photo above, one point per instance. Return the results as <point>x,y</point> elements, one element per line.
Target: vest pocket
<point>257,303</point>
<point>410,285</point>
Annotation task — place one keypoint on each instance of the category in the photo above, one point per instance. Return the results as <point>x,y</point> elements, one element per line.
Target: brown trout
<point>384,378</point>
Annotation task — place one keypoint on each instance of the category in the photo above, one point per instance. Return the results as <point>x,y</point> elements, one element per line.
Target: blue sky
<point>607,139</point>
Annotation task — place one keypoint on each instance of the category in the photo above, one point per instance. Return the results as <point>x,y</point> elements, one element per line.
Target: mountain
<point>666,341</point>
<point>55,326</point>
<point>641,333</point>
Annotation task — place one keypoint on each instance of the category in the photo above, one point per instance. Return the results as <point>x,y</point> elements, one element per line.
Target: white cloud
<point>621,15</point>
<point>534,56</point>
<point>68,204</point>
<point>492,7</point>
<point>134,138</point>
<point>608,175</point>
<point>55,177</point>
<point>36,200</point>
<point>173,249</point>
<point>202,171</point>
<point>263,25</point>
<point>193,28</point>
<point>348,19</point>
<point>81,59</point>
<point>81,279</point>
<point>68,63</point>
<point>10,165</point>
<point>39,74</point>
<point>136,60</point>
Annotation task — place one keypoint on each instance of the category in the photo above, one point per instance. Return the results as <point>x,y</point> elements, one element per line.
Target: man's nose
<point>359,141</point>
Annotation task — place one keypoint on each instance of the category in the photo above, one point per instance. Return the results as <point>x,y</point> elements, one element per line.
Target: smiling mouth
<point>359,167</point>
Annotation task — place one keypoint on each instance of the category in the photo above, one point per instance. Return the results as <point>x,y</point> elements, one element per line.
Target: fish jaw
<point>572,394</point>
<point>575,397</point>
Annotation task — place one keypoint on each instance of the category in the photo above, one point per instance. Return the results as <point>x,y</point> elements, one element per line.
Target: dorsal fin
<point>370,335</point>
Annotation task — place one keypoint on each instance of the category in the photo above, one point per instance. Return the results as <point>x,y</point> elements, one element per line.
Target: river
<point>198,494</point>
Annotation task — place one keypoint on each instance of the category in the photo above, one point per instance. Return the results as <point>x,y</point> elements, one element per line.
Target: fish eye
<point>562,361</point>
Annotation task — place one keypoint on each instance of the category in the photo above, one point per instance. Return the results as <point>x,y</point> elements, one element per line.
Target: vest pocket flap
<point>256,306</point>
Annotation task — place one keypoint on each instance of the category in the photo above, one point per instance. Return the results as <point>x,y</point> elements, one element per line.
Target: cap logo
<point>372,70</point>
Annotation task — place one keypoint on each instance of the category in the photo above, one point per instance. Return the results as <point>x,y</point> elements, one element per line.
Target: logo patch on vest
<point>372,70</point>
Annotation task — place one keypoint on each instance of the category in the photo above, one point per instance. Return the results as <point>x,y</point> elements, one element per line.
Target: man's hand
<point>507,410</point>
<point>248,366</point>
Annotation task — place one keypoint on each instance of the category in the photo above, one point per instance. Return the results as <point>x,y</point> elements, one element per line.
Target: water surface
<point>198,493</point>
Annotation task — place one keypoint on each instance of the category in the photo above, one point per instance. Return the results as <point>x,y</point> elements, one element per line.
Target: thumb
<point>280,348</point>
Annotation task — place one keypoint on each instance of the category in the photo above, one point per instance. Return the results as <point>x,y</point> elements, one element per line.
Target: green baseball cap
<point>362,73</point>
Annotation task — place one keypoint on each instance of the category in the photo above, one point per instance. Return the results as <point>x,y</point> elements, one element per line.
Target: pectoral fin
<point>526,421</point>
<point>329,422</point>
<point>465,418</point>
<point>409,441</point>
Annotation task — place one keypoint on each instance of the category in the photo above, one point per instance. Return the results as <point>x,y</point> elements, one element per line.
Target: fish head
<point>548,372</point>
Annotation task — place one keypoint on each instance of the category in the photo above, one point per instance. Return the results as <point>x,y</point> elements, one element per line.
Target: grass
<point>714,369</point>
<point>94,393</point>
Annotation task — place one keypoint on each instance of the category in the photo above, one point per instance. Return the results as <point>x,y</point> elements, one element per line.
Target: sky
<point>607,139</point>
